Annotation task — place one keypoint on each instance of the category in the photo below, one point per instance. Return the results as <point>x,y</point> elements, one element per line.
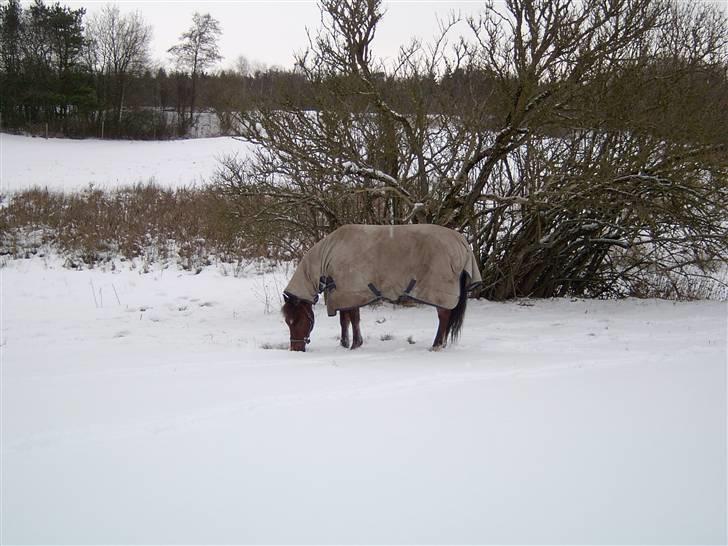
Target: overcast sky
<point>270,32</point>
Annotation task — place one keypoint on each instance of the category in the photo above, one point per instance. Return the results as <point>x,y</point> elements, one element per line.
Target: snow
<point>162,408</point>
<point>63,164</point>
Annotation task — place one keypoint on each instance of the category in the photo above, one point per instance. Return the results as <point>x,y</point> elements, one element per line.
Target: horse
<point>357,265</point>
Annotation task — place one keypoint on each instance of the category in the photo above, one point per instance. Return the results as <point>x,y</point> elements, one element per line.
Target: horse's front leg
<point>441,336</point>
<point>355,318</point>
<point>344,320</point>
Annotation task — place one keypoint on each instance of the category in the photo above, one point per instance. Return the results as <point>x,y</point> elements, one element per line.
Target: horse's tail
<point>455,323</point>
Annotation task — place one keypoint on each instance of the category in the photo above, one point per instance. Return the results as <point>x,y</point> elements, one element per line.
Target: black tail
<point>458,313</point>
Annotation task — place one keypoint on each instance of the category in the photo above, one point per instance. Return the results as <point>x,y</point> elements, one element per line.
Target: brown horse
<point>357,265</point>
<point>299,316</point>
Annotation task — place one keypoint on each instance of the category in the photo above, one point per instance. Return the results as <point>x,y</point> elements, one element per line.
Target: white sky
<point>270,32</point>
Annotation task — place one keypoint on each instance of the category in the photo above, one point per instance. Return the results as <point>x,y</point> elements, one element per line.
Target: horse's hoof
<point>436,348</point>
<point>344,343</point>
<point>356,344</point>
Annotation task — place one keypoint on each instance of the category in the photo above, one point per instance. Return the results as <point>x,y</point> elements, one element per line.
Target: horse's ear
<point>286,297</point>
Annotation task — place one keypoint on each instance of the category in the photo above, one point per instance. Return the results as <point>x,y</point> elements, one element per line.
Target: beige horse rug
<point>359,264</point>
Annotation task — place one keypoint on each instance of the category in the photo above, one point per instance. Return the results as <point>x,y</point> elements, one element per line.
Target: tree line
<point>64,73</point>
<point>70,74</point>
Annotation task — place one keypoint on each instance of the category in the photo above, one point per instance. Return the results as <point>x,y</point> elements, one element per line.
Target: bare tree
<point>198,50</point>
<point>121,49</point>
<point>246,67</point>
<point>566,159</point>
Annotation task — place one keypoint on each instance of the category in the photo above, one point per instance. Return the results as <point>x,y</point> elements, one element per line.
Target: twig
<point>116,294</point>
<point>93,293</point>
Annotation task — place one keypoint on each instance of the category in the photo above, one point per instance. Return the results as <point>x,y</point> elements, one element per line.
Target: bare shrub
<point>580,146</point>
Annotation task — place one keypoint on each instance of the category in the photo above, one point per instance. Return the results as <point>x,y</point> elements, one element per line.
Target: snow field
<point>160,407</point>
<point>72,165</point>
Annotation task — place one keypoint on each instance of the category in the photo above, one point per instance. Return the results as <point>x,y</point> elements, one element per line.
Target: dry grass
<point>189,226</point>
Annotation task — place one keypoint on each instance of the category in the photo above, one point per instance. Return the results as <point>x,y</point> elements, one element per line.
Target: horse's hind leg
<point>441,337</point>
<point>357,339</point>
<point>344,320</point>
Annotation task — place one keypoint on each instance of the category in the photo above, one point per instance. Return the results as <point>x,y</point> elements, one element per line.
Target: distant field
<point>64,164</point>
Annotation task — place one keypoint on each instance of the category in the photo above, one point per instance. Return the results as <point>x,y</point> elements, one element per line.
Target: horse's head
<point>299,317</point>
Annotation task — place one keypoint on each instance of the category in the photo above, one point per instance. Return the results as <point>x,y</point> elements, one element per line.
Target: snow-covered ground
<point>163,408</point>
<point>64,164</point>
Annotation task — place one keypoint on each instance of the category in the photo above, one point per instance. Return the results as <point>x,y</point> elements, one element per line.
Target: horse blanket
<point>359,264</point>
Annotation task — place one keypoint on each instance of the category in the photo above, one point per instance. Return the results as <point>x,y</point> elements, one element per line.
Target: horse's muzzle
<point>299,344</point>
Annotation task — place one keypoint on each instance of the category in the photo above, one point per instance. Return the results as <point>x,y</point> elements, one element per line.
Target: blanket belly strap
<point>374,290</point>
